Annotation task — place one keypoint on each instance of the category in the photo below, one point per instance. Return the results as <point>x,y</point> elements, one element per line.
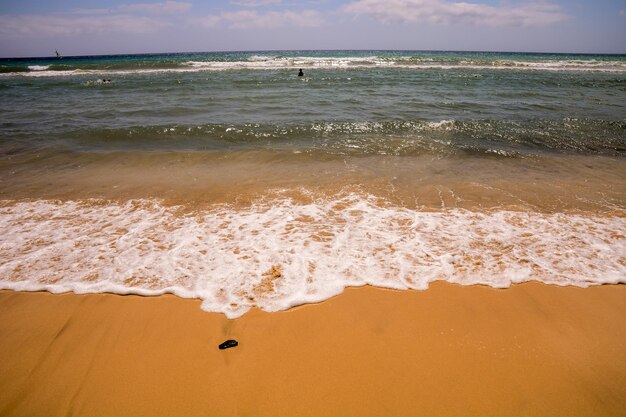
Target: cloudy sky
<point>82,27</point>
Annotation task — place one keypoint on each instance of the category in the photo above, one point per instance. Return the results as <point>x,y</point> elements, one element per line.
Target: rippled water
<point>225,176</point>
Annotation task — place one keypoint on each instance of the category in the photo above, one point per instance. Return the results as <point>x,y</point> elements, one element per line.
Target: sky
<point>39,27</point>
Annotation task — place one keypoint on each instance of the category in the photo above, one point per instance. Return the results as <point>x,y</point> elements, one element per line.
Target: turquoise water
<point>198,173</point>
<point>220,100</point>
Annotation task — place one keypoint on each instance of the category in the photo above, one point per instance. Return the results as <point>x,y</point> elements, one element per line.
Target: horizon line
<point>318,50</point>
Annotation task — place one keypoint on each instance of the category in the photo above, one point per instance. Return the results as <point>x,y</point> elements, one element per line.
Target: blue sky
<point>37,28</point>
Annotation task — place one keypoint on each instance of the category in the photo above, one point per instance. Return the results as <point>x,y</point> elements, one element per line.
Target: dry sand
<point>531,350</point>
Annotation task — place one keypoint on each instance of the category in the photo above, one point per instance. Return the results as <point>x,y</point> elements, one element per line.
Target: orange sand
<point>531,350</point>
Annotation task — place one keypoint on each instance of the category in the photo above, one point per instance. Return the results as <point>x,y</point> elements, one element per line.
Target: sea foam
<point>278,253</point>
<point>38,67</point>
<point>262,62</point>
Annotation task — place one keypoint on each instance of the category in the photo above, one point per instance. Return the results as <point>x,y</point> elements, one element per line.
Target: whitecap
<point>38,67</point>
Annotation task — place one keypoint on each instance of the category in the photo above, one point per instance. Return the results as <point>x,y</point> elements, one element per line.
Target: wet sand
<point>198,180</point>
<point>530,350</point>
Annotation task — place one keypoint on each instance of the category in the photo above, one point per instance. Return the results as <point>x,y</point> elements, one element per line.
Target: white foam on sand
<point>277,253</point>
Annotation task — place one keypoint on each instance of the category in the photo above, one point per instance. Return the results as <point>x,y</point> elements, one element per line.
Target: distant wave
<point>38,67</point>
<point>262,62</point>
<point>66,69</point>
<point>12,69</point>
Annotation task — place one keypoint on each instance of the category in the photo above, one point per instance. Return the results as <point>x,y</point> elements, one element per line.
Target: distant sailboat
<point>58,54</point>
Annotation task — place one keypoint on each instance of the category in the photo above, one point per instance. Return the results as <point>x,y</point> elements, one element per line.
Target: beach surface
<point>529,350</point>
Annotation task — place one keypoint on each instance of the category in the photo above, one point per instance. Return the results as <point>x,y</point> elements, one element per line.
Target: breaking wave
<point>277,253</point>
<point>216,62</point>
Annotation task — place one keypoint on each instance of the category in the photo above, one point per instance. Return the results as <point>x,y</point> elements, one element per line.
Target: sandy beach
<point>530,350</point>
<point>408,208</point>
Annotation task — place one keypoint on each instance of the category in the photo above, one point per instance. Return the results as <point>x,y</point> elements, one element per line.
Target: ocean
<point>228,178</point>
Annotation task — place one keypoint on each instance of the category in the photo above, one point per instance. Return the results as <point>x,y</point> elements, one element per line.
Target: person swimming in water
<point>301,74</point>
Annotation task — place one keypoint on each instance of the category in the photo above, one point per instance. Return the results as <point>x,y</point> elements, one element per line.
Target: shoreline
<point>452,350</point>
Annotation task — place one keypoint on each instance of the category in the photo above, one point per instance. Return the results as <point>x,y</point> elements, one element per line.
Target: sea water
<point>228,178</point>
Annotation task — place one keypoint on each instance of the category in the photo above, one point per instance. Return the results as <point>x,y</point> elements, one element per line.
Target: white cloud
<point>450,13</point>
<point>256,3</point>
<point>165,7</point>
<point>134,18</point>
<point>251,19</point>
<point>90,11</point>
<point>16,26</point>
<point>141,18</point>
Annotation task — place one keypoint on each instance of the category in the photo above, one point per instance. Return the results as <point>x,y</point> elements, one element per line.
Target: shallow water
<point>228,178</point>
